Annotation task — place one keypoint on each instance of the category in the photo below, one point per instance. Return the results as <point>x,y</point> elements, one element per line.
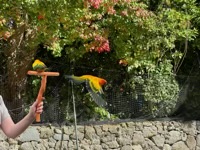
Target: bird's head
<point>37,61</point>
<point>102,81</point>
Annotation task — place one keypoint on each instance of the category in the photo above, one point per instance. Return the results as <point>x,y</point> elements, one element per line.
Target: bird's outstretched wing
<point>95,93</point>
<point>93,86</point>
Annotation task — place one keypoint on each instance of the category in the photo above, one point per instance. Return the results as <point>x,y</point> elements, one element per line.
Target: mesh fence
<point>126,105</point>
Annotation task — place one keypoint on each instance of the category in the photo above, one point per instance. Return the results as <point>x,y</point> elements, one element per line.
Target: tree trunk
<point>18,60</point>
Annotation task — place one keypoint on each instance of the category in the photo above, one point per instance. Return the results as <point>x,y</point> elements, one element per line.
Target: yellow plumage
<point>94,86</point>
<point>39,66</point>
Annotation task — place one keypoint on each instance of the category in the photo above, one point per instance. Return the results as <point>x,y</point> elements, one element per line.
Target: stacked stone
<point>138,135</point>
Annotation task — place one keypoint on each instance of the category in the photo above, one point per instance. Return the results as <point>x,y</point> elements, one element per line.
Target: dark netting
<point>16,107</point>
<point>125,104</point>
<point>52,110</point>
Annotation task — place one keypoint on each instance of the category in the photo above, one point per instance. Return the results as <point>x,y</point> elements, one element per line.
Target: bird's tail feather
<point>75,79</point>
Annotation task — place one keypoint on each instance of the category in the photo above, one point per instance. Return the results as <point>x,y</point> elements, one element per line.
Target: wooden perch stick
<point>42,86</point>
<point>43,73</point>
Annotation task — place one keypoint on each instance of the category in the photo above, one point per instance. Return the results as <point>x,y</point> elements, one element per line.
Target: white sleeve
<point>3,110</point>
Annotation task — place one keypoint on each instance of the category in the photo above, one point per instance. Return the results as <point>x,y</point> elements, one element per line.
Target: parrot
<point>94,86</point>
<point>39,66</point>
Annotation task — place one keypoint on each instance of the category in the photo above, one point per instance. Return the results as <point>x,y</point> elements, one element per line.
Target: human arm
<point>13,130</point>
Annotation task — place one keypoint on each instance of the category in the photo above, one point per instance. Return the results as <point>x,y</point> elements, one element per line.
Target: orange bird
<point>94,86</point>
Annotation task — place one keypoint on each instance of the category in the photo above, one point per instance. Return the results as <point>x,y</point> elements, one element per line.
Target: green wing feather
<point>95,94</point>
<point>39,67</point>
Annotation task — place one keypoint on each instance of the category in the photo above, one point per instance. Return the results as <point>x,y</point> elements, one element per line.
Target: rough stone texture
<point>179,146</point>
<point>138,138</point>
<point>31,134</point>
<point>138,135</point>
<point>198,140</point>
<point>149,131</point>
<point>167,147</point>
<point>159,140</point>
<point>173,136</point>
<point>137,147</point>
<point>191,142</point>
<point>46,132</point>
<point>26,146</point>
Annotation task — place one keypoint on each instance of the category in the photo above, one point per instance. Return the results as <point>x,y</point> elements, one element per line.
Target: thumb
<point>34,105</point>
<point>38,101</point>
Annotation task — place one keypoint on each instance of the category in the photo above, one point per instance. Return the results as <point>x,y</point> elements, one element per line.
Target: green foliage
<point>127,25</point>
<point>104,114</point>
<point>160,89</point>
<point>144,33</point>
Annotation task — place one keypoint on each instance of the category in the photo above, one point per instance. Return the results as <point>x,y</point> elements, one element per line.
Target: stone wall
<point>135,135</point>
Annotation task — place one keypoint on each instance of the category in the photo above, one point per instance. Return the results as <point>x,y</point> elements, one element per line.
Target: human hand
<point>36,108</point>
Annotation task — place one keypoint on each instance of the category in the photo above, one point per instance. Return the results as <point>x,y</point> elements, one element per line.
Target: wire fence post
<point>75,122</point>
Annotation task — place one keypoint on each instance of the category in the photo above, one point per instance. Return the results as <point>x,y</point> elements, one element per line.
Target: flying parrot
<point>39,66</point>
<point>94,86</point>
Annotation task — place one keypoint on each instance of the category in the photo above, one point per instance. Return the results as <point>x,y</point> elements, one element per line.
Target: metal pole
<point>61,141</point>
<point>75,123</point>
